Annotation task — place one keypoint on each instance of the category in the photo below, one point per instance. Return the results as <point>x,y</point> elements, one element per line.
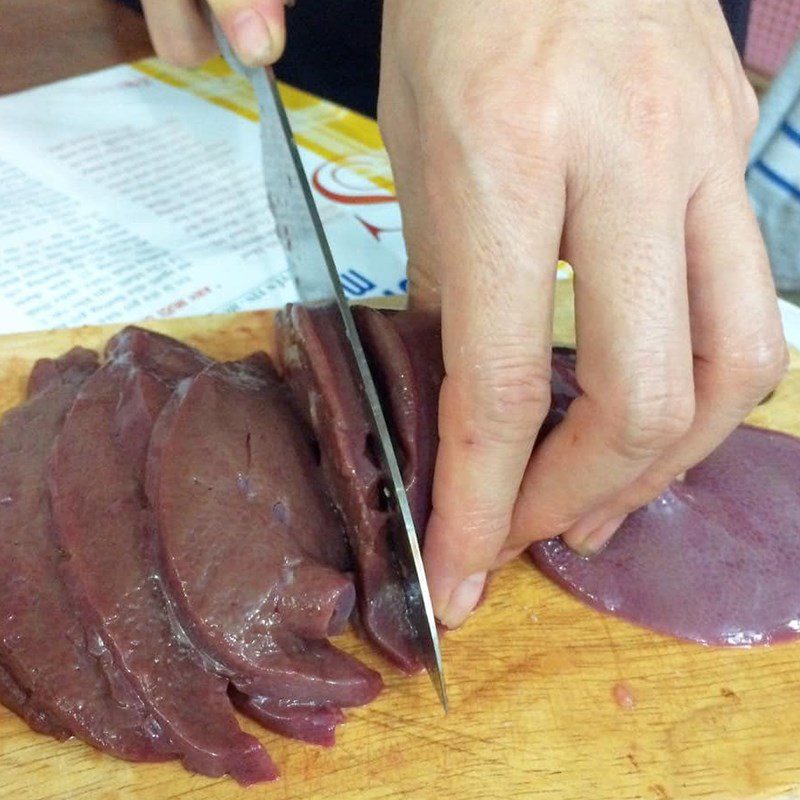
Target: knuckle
<point>480,122</point>
<point>650,423</point>
<point>722,97</point>
<point>759,367</point>
<point>480,535</point>
<point>511,397</point>
<point>654,104</point>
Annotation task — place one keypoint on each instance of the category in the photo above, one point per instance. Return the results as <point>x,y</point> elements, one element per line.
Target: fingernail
<point>251,37</point>
<point>595,541</point>
<point>463,600</point>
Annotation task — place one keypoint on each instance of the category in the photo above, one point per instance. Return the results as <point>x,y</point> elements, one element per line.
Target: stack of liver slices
<point>180,538</point>
<point>172,550</point>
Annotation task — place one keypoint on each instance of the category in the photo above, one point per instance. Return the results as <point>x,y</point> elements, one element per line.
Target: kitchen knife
<point>300,231</point>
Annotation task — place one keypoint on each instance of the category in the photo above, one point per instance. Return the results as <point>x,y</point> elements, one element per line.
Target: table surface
<point>549,700</point>
<point>42,41</point>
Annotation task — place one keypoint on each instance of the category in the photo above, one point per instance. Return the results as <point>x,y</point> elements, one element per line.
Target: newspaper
<point>136,192</point>
<point>124,197</point>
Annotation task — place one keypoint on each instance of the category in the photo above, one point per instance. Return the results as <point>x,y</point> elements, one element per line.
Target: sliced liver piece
<point>43,644</point>
<point>405,354</point>
<point>713,559</point>
<point>16,699</point>
<point>313,724</point>
<point>98,501</point>
<point>250,547</point>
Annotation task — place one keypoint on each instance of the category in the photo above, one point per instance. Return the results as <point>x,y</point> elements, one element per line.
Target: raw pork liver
<point>14,697</point>
<point>42,642</point>
<point>405,354</point>
<point>96,483</point>
<point>250,547</point>
<point>712,559</point>
<point>314,724</point>
<point>408,366</point>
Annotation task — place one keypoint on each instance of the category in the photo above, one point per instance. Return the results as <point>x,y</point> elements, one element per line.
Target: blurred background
<point>333,52</point>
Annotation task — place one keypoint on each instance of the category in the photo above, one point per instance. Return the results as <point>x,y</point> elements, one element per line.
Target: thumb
<point>256,29</point>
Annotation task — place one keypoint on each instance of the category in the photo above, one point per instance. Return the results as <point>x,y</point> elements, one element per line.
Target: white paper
<point>123,198</point>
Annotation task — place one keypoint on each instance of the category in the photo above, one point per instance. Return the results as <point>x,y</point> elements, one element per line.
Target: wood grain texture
<point>548,698</point>
<point>48,40</point>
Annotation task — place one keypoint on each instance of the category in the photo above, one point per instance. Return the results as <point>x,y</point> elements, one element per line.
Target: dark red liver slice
<point>313,724</point>
<point>251,549</point>
<point>98,500</point>
<point>42,641</point>
<point>16,699</point>
<point>405,354</point>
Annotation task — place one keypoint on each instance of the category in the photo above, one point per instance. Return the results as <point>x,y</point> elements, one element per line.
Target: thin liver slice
<point>405,355</point>
<point>96,483</point>
<point>14,697</point>
<point>43,645</point>
<point>250,547</point>
<point>713,559</point>
<point>313,724</point>
<point>315,364</point>
<point>404,351</point>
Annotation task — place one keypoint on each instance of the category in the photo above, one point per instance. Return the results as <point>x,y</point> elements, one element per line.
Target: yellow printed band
<point>335,133</point>
<point>331,131</point>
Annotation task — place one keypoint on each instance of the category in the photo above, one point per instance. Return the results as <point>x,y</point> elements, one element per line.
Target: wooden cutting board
<point>548,699</point>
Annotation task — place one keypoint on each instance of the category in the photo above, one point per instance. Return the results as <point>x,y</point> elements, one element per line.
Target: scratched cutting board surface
<point>548,699</point>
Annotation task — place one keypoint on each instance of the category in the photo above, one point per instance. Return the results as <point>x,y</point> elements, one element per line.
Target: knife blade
<point>309,257</point>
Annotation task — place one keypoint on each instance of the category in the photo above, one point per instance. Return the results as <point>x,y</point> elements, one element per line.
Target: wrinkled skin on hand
<point>612,133</point>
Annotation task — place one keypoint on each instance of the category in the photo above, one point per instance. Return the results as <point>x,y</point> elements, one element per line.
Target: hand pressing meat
<point>712,559</point>
<point>614,134</point>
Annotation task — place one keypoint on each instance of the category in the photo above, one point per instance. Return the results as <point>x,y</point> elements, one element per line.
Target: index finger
<point>497,242</point>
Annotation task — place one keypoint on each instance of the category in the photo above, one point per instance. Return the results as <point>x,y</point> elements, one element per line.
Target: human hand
<point>614,133</point>
<point>181,35</point>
